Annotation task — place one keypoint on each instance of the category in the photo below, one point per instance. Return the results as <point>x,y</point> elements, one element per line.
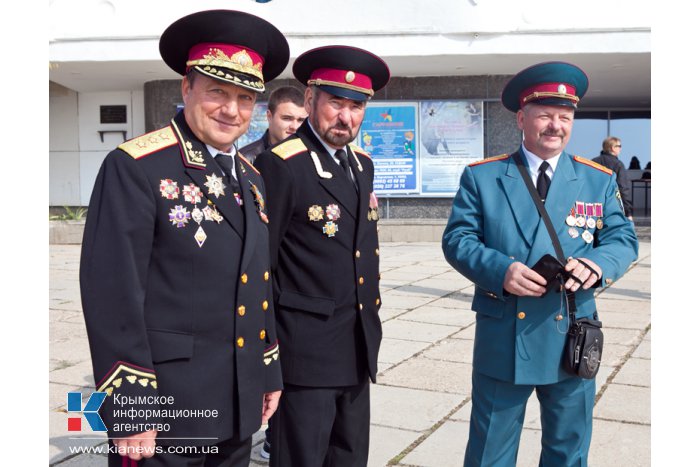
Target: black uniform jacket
<point>325,262</point>
<point>252,150</point>
<point>176,290</point>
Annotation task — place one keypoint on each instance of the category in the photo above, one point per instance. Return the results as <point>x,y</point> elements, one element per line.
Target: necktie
<point>225,161</point>
<point>543,181</point>
<point>345,164</point>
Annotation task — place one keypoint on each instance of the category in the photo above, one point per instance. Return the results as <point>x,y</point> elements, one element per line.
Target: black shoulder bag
<point>584,339</point>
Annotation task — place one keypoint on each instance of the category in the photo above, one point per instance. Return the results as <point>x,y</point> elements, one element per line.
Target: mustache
<point>340,126</point>
<point>552,133</point>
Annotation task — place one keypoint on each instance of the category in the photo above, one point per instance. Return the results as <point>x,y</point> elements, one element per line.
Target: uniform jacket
<point>252,150</point>
<point>623,182</point>
<point>325,261</point>
<point>495,222</point>
<point>176,287</point>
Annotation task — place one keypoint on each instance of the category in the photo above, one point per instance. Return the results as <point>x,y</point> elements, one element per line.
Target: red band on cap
<point>548,90</point>
<point>344,78</point>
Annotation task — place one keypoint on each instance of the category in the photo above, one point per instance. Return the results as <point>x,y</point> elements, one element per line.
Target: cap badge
<point>561,89</point>
<point>349,77</point>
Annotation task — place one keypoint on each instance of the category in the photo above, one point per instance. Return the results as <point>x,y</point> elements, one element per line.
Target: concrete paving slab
<point>450,316</point>
<point>58,395</point>
<point>386,443</point>
<point>617,443</point>
<point>414,290</point>
<point>410,409</point>
<point>394,351</point>
<point>451,350</point>
<point>644,350</point>
<point>410,330</point>
<point>444,447</point>
<point>71,350</point>
<point>457,300</point>
<point>635,372</point>
<point>613,354</point>
<point>621,336</point>
<point>625,404</point>
<point>463,414</point>
<point>466,333</point>
<point>433,375</point>
<point>85,460</point>
<point>79,374</point>
<point>635,320</point>
<point>387,313</point>
<point>61,440</point>
<point>529,448</point>
<point>394,299</point>
<point>445,282</point>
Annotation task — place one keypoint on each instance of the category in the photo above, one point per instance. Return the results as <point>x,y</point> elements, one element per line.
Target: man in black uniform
<point>285,113</point>
<point>174,273</point>
<point>325,262</point>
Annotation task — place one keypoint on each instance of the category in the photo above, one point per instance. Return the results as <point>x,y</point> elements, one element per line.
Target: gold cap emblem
<point>349,77</point>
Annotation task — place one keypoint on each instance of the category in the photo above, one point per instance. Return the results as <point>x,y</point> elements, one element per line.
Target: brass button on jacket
<point>521,315</point>
<point>240,342</point>
<point>241,310</point>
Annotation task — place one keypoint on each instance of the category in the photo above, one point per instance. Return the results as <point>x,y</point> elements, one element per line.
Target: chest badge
<point>192,193</point>
<point>169,189</point>
<point>315,213</point>
<point>215,185</point>
<point>179,216</point>
<point>332,212</point>
<point>330,229</point>
<point>200,236</point>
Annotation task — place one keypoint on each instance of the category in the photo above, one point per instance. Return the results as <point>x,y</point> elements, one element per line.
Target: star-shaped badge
<point>192,193</point>
<point>215,185</point>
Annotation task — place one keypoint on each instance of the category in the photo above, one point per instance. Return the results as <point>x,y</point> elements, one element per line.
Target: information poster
<point>389,134</point>
<point>451,136</point>
<point>258,125</point>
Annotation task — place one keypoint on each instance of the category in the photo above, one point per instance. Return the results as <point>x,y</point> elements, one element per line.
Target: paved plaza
<point>421,404</point>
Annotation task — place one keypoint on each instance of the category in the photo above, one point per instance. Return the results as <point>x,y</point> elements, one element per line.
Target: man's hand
<point>270,402</point>
<point>523,281</point>
<point>137,446</point>
<point>585,274</point>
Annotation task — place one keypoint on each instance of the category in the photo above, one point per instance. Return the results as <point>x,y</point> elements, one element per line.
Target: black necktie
<point>345,164</point>
<point>225,161</point>
<point>543,181</point>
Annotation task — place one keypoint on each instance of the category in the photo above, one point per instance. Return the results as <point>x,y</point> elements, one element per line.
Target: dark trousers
<point>321,427</point>
<point>498,412</point>
<point>227,453</point>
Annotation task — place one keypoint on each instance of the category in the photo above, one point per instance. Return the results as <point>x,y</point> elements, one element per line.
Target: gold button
<point>241,310</point>
<point>244,278</point>
<point>360,307</point>
<point>521,315</point>
<point>262,335</point>
<point>361,280</point>
<point>376,252</point>
<point>240,342</point>
<point>266,276</point>
<point>378,301</point>
<point>265,305</point>
<point>559,318</point>
<point>608,281</point>
<point>357,254</point>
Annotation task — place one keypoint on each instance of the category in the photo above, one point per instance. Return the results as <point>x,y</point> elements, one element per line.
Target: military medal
<point>330,228</point>
<point>315,213</point>
<point>200,236</point>
<point>590,223</point>
<point>211,214</point>
<point>259,202</point>
<point>599,223</point>
<point>587,236</point>
<point>192,193</point>
<point>197,215</point>
<point>570,220</point>
<point>215,185</point>
<point>573,233</point>
<point>169,189</point>
<point>580,214</point>
<point>179,216</point>
<point>239,200</point>
<point>263,216</point>
<point>332,212</point>
<point>580,221</point>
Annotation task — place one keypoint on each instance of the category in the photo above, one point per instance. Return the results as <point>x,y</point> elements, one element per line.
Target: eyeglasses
<point>617,146</point>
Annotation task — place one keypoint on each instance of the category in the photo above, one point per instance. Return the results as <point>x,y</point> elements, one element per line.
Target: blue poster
<point>389,134</point>
<point>258,125</point>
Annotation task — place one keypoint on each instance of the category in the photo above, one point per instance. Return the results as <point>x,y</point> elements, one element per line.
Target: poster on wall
<point>451,136</point>
<point>389,133</point>
<point>258,125</point>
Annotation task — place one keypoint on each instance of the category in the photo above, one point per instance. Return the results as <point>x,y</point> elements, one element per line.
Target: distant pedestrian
<point>609,157</point>
<point>634,164</point>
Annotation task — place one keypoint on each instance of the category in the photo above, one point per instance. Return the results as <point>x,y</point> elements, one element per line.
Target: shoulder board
<point>289,148</point>
<point>247,162</point>
<point>358,150</point>
<point>590,163</point>
<point>490,159</point>
<point>149,143</point>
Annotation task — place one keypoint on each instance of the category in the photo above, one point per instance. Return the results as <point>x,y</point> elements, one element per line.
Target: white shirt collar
<point>214,152</point>
<point>534,162</point>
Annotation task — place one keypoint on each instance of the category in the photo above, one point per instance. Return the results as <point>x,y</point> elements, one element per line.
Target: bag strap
<point>550,228</point>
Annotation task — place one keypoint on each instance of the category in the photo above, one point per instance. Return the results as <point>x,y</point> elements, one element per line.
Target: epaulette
<point>358,150</point>
<point>490,159</point>
<point>289,148</point>
<point>247,162</point>
<point>595,165</point>
<point>149,143</point>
